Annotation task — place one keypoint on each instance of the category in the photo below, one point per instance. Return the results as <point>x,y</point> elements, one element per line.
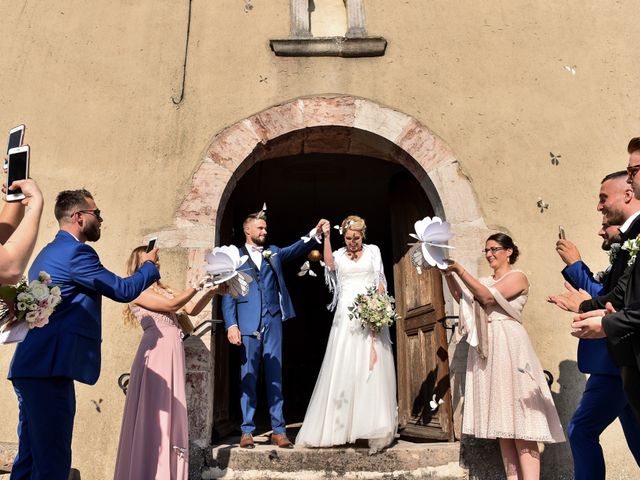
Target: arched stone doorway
<point>309,129</point>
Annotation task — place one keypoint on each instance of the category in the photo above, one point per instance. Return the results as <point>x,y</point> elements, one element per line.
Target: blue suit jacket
<point>69,345</point>
<point>267,293</point>
<point>593,356</point>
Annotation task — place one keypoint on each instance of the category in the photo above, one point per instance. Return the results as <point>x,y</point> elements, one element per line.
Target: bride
<point>355,394</point>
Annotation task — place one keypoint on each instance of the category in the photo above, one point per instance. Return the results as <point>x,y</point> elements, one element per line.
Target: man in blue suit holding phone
<point>49,359</point>
<point>603,399</point>
<point>254,322</point>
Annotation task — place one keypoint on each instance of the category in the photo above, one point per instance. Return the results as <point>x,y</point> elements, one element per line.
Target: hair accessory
<point>262,214</point>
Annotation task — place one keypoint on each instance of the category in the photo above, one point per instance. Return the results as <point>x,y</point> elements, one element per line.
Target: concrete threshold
<point>403,460</point>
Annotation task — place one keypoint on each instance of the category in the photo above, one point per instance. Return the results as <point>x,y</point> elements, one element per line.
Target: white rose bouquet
<point>28,303</point>
<point>373,310</point>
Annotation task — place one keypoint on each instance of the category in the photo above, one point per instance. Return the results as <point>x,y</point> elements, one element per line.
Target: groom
<point>254,322</point>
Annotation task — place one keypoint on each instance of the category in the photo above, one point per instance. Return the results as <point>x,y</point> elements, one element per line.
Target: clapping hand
<point>589,325</point>
<point>569,300</point>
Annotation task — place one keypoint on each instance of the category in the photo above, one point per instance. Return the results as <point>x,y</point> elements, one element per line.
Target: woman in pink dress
<point>154,439</point>
<point>506,393</point>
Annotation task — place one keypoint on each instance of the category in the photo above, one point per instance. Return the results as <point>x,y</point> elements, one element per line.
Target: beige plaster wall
<point>93,83</point>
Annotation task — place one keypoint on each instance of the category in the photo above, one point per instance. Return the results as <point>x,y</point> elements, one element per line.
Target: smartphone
<point>16,136</point>
<point>152,244</point>
<point>561,234</point>
<point>17,169</point>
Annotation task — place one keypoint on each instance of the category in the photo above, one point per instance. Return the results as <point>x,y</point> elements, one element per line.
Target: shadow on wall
<point>556,459</point>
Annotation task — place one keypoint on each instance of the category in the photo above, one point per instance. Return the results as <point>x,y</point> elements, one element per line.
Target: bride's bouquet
<point>25,306</point>
<point>373,310</point>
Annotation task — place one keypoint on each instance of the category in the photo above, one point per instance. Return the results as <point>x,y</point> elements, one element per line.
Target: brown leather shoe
<point>246,441</point>
<point>281,440</point>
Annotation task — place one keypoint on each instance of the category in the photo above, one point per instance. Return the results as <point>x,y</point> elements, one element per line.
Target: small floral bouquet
<point>374,310</point>
<point>29,304</point>
<point>633,247</point>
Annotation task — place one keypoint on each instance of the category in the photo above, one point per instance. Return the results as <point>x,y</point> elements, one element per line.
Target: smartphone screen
<point>151,245</point>
<point>17,169</point>
<point>15,139</point>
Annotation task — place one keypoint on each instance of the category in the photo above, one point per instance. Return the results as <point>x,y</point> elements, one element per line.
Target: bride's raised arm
<point>327,252</point>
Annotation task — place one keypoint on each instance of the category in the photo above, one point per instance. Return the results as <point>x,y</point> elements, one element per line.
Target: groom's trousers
<point>45,426</point>
<point>603,400</point>
<point>267,348</point>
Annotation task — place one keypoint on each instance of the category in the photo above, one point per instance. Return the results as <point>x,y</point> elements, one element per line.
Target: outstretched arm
<point>19,231</point>
<point>204,300</point>
<point>327,253</point>
<point>87,271</point>
<point>510,287</point>
<point>302,246</point>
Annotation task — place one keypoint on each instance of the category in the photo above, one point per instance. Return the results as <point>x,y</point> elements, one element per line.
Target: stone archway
<point>356,126</point>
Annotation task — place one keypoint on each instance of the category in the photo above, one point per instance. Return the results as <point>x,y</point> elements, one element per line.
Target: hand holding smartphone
<point>17,169</point>
<point>152,244</point>
<point>561,234</point>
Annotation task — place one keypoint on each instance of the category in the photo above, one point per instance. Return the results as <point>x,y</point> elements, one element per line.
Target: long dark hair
<point>507,242</point>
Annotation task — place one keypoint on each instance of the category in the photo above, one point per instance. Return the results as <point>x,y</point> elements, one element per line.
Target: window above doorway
<point>328,28</point>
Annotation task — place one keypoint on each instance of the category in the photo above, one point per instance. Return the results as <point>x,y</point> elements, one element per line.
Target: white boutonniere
<point>613,252</point>
<point>633,247</point>
<point>267,254</point>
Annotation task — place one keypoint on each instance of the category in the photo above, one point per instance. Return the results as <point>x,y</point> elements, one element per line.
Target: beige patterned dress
<point>506,393</point>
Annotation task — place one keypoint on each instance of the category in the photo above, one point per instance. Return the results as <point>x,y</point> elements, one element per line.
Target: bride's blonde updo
<point>354,222</point>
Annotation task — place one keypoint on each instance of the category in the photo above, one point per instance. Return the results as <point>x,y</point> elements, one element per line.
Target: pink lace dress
<point>154,438</point>
<point>506,393</point>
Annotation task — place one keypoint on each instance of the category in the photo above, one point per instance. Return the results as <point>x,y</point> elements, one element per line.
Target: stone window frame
<point>355,42</point>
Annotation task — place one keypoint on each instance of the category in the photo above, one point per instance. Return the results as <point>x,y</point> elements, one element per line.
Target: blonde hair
<point>356,223</point>
<point>133,265</point>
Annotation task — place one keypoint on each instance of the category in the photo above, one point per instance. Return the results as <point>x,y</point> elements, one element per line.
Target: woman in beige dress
<point>506,394</point>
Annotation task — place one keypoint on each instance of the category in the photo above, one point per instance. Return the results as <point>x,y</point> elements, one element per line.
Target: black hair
<point>507,242</point>
<point>69,200</point>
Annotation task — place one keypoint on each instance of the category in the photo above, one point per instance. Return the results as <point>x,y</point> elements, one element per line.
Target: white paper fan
<point>432,233</point>
<point>239,284</point>
<point>306,269</point>
<point>222,266</point>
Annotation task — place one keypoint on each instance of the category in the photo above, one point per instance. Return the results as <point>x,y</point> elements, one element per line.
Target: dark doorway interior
<point>298,191</point>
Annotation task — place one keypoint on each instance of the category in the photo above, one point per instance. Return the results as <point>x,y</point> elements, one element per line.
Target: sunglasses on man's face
<point>95,212</point>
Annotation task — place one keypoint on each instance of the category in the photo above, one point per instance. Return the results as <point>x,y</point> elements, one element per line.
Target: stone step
<point>8,452</point>
<point>404,460</point>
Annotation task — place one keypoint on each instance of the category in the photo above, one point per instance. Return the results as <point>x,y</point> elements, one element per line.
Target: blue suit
<point>603,399</point>
<point>259,316</point>
<point>49,359</point>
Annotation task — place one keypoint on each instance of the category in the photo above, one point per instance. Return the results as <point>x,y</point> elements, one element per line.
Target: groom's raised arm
<point>304,245</point>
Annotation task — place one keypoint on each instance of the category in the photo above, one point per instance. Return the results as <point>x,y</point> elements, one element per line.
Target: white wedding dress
<point>349,401</point>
